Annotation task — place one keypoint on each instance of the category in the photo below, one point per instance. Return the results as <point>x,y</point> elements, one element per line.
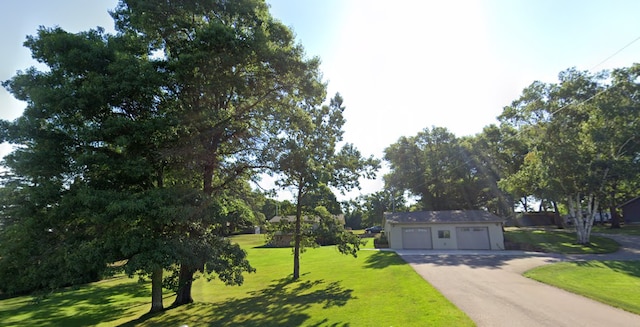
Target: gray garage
<point>416,238</point>
<point>444,230</point>
<point>473,238</point>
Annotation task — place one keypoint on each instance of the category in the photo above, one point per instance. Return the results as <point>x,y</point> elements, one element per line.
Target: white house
<point>444,230</point>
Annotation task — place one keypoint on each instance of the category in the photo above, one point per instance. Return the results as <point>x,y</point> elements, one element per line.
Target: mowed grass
<point>554,241</point>
<point>626,229</point>
<point>616,283</point>
<point>375,289</point>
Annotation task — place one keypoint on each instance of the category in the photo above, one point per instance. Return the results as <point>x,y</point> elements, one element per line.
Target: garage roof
<point>451,216</point>
<point>277,219</point>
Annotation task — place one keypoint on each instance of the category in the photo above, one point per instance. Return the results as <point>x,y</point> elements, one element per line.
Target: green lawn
<point>625,229</point>
<point>616,283</point>
<point>559,241</point>
<point>375,289</point>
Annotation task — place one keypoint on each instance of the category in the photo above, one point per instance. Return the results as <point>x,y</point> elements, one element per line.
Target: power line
<point>613,55</point>
<point>519,131</point>
<point>594,67</point>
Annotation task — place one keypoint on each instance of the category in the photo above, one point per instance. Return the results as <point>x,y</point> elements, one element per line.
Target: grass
<point>559,241</point>
<point>375,289</point>
<point>625,229</point>
<point>616,283</point>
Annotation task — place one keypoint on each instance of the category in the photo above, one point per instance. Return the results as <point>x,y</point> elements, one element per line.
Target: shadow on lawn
<point>94,304</point>
<point>631,268</point>
<point>383,259</point>
<point>282,303</point>
<point>472,261</point>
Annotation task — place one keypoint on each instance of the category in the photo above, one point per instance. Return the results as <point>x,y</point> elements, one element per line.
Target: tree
<point>578,144</point>
<point>353,214</point>
<point>614,130</point>
<point>99,138</point>
<point>437,167</point>
<point>305,159</point>
<point>322,197</point>
<point>374,206</point>
<point>229,68</point>
<point>76,136</point>
<point>498,152</point>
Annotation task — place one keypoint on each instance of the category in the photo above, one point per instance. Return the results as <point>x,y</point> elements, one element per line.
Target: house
<point>284,238</point>
<point>313,221</point>
<point>631,211</point>
<point>444,230</point>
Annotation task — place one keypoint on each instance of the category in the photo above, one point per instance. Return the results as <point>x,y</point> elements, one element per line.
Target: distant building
<point>444,230</point>
<point>283,239</point>
<point>631,211</point>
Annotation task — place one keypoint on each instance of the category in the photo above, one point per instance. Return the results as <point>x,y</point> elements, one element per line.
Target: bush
<point>380,241</point>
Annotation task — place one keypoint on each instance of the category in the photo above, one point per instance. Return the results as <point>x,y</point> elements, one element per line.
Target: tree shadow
<point>383,259</point>
<point>489,261</point>
<point>631,268</point>
<point>282,303</point>
<point>93,304</point>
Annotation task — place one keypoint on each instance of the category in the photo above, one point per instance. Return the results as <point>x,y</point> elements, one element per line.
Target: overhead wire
<point>467,161</point>
<point>594,67</point>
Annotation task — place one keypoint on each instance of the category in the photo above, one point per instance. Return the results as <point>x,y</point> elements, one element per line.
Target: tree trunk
<point>185,280</point>
<point>156,290</point>
<point>183,295</point>
<point>156,274</point>
<point>296,251</point>
<point>615,219</point>
<point>297,236</point>
<point>207,176</point>
<point>556,215</point>
<point>583,221</point>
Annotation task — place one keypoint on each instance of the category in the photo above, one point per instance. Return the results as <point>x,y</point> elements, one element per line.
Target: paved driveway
<point>489,287</point>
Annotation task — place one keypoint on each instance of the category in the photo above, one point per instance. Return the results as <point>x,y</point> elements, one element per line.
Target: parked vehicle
<point>373,230</point>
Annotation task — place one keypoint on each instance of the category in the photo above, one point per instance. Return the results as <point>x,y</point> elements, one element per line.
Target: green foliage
<point>43,248</point>
<point>322,196</point>
<point>280,234</point>
<point>320,228</point>
<point>582,139</point>
<point>442,170</point>
<point>306,159</point>
<point>353,215</point>
<point>376,204</point>
<point>381,241</point>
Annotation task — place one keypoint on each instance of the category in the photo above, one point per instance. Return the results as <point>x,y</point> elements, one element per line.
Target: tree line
<point>572,145</point>
<point>135,151</point>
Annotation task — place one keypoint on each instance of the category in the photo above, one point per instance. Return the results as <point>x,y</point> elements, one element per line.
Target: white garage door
<point>416,238</point>
<point>473,238</point>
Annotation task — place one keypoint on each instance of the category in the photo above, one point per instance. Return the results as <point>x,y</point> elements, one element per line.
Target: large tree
<point>229,67</point>
<point>615,131</point>
<point>83,132</point>
<point>438,167</point>
<point>306,159</point>
<point>580,142</point>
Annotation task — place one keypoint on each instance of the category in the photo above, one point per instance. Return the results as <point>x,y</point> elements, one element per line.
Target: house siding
<point>631,211</point>
<point>394,234</point>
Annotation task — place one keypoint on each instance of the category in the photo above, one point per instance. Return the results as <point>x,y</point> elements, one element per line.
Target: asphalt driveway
<point>490,288</point>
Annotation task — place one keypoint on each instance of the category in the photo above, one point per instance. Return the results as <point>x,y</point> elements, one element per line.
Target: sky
<point>401,66</point>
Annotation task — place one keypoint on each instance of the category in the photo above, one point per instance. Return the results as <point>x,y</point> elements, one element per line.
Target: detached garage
<point>444,230</point>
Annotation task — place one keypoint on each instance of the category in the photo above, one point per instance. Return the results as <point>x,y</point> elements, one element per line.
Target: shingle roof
<point>277,219</point>
<point>629,202</point>
<point>451,216</point>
